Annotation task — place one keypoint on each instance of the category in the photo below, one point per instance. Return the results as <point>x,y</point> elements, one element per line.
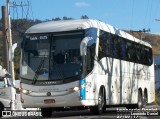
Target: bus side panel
<point>128,82</point>
<point>146,81</point>
<point>92,84</point>
<point>151,86</point>
<point>120,79</point>
<point>107,69</point>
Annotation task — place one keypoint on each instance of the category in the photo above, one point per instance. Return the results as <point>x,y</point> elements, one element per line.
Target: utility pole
<point>5,39</point>
<point>10,40</point>
<point>11,64</point>
<point>140,32</point>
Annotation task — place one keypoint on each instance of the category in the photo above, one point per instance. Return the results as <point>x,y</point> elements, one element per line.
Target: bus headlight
<point>76,88</point>
<point>24,91</point>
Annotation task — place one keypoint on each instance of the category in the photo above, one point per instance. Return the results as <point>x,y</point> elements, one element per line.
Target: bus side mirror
<point>83,48</point>
<point>11,50</point>
<point>87,41</point>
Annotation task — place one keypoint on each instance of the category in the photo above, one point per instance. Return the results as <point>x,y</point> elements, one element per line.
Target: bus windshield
<point>65,56</point>
<point>51,56</point>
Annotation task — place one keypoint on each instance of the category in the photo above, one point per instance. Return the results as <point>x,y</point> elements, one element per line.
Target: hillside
<point>19,27</point>
<point>153,39</point>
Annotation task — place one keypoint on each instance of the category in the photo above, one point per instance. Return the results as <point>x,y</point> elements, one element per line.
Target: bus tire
<point>46,112</point>
<point>140,100</point>
<point>145,100</point>
<point>101,104</point>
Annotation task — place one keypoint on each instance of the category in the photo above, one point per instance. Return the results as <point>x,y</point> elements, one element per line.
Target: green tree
<point>67,18</point>
<point>84,17</point>
<point>56,19</point>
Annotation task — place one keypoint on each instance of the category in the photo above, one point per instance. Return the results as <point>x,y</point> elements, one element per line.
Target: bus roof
<point>70,25</point>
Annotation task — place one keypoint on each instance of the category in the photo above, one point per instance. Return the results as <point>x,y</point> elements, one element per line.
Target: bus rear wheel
<point>101,104</point>
<point>145,100</point>
<point>140,100</point>
<point>46,112</point>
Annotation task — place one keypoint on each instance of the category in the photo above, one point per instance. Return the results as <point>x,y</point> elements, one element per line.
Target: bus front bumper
<point>70,100</point>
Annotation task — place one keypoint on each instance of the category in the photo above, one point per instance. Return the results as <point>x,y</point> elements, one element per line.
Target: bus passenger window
<point>119,48</point>
<point>128,51</point>
<point>90,57</point>
<point>100,50</point>
<point>114,46</point>
<point>150,60</point>
<point>138,56</point>
<point>108,48</point>
<point>143,55</point>
<point>106,45</point>
<point>123,49</point>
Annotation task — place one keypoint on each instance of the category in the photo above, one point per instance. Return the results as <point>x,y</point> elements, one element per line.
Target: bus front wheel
<point>101,104</point>
<point>46,112</point>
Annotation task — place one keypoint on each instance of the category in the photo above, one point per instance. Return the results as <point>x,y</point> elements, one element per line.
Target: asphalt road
<point>109,114</point>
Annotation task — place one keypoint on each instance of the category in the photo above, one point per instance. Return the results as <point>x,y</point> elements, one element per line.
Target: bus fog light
<point>24,91</point>
<point>76,88</point>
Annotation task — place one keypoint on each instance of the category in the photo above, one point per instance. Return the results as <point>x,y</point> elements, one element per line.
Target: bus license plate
<point>48,101</point>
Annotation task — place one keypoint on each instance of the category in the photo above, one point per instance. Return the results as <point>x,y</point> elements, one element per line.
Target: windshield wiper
<point>36,75</point>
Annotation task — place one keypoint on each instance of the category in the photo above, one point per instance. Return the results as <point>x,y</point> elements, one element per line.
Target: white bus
<point>77,64</point>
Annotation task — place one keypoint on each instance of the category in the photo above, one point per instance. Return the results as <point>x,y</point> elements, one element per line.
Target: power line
<point>156,10</point>
<point>149,22</point>
<point>24,7</point>
<point>21,5</point>
<point>132,14</point>
<point>145,18</point>
<point>31,10</point>
<point>140,32</point>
